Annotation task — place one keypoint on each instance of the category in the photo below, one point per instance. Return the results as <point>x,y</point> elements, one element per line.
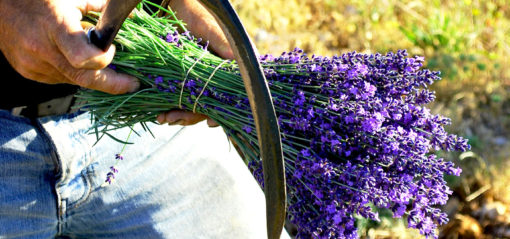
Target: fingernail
<point>160,119</point>
<point>212,124</point>
<point>227,52</point>
<point>135,85</point>
<point>177,122</point>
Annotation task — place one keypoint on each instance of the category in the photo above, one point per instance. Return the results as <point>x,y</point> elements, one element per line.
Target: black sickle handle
<point>112,17</point>
<point>257,89</point>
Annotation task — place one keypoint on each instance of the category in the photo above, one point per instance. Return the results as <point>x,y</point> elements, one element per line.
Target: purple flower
<point>362,69</point>
<point>356,130</point>
<point>352,74</point>
<point>113,169</point>
<point>190,84</point>
<point>247,129</point>
<point>158,80</point>
<point>109,177</point>
<point>355,133</point>
<point>305,153</point>
<point>373,123</point>
<point>369,90</point>
<point>172,37</point>
<point>119,157</point>
<point>187,35</point>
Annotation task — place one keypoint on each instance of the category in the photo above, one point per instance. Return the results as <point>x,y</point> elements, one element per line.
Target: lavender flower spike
<point>356,130</point>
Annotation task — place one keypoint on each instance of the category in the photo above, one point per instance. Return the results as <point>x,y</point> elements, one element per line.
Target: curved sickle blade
<point>259,96</point>
<point>114,14</point>
<point>263,112</point>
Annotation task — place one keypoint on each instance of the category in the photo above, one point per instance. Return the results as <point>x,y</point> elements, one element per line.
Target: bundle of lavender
<point>355,129</point>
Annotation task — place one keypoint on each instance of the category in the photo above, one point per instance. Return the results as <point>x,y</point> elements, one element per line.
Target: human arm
<point>45,42</point>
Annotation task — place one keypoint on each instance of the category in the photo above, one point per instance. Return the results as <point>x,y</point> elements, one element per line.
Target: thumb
<point>72,42</point>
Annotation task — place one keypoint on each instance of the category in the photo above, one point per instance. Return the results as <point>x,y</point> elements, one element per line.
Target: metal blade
<point>263,112</point>
<point>266,123</point>
<point>114,14</point>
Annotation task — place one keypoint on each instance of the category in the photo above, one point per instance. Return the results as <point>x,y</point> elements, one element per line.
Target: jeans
<point>185,182</point>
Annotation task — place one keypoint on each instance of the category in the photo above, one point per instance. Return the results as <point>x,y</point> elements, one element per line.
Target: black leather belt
<point>23,97</point>
<point>56,106</point>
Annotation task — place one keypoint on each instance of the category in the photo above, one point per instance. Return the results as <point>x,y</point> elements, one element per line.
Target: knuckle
<point>82,79</point>
<point>76,58</point>
<point>66,42</point>
<point>57,30</point>
<point>61,64</point>
<point>59,24</point>
<point>117,88</point>
<point>100,64</point>
<point>109,83</point>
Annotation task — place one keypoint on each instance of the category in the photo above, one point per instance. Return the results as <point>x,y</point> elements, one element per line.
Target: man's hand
<point>44,41</point>
<point>202,24</point>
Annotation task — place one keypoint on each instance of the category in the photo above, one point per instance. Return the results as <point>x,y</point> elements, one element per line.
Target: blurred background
<point>467,40</point>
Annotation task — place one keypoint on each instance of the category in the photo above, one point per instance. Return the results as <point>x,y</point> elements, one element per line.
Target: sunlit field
<point>468,41</point>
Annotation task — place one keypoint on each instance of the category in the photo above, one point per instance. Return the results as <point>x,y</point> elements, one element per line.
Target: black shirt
<point>16,91</point>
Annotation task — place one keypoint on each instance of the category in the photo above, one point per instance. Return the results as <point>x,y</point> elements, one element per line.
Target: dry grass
<point>467,40</point>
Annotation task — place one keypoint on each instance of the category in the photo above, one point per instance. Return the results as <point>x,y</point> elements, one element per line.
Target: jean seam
<point>58,174</point>
<point>85,174</point>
